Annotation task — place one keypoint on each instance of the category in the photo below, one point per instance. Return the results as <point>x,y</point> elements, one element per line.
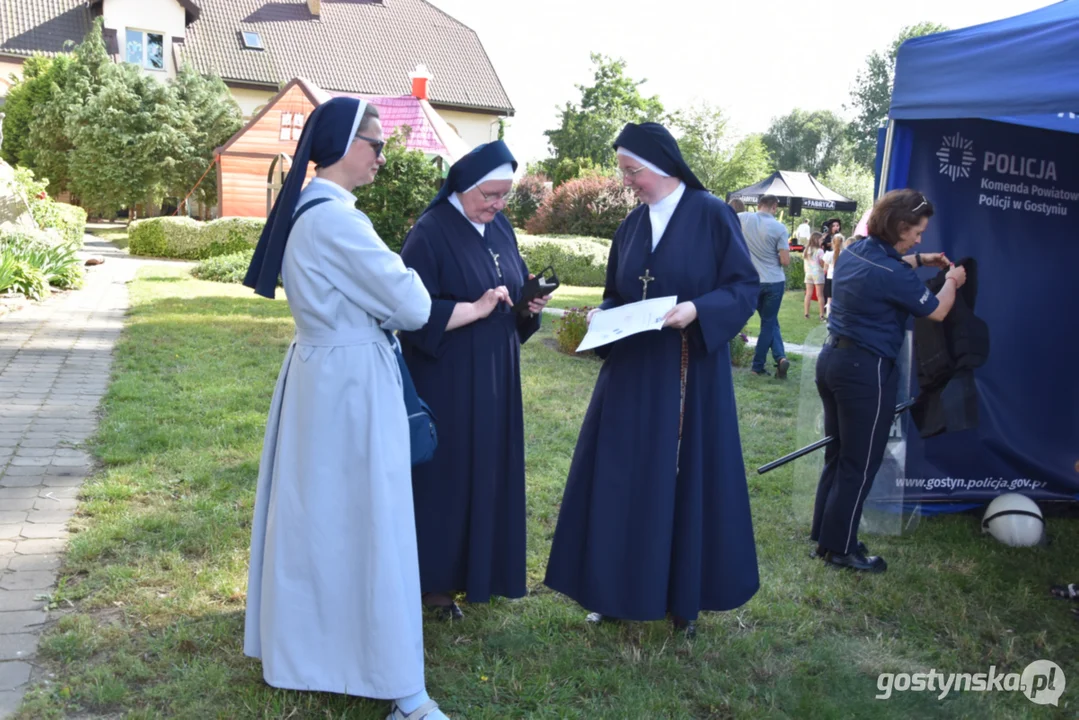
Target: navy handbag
<point>423,437</point>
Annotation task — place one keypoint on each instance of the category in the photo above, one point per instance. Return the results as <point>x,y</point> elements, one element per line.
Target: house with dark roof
<point>365,47</point>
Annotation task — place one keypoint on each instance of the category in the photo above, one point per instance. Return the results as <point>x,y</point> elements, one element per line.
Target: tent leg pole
<point>886,161</point>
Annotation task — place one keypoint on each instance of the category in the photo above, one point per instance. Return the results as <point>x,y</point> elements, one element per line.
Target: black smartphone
<point>544,283</point>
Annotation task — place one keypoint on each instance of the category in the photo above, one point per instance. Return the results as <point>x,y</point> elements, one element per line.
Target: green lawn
<point>792,323</point>
<point>156,573</point>
<point>116,236</point>
<point>567,296</point>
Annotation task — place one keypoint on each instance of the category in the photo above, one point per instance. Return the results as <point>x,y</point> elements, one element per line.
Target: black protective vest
<point>947,353</point>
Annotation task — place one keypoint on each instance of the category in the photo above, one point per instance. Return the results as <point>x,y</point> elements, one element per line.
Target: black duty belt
<point>840,342</point>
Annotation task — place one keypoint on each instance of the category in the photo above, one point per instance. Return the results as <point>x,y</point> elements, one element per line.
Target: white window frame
<point>145,35</point>
<point>291,126</point>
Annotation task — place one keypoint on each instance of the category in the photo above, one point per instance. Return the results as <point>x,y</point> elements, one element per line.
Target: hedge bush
<point>68,220</point>
<point>187,239</point>
<point>229,268</point>
<point>587,206</point>
<point>796,274</point>
<point>229,235</point>
<point>575,261</point>
<point>526,198</point>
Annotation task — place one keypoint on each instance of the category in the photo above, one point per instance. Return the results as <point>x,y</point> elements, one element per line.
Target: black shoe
<point>856,561</point>
<point>819,552</point>
<point>781,368</point>
<point>689,627</point>
<point>447,612</point>
<point>761,373</point>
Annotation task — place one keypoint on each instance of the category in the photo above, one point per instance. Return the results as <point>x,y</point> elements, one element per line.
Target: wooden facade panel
<point>243,183</point>
<point>264,136</point>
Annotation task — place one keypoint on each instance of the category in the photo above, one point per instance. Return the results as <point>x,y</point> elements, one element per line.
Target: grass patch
<point>567,296</point>
<point>157,567</point>
<point>116,236</point>
<point>792,323</point>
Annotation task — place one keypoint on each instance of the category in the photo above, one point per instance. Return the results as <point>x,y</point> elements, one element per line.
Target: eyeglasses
<point>492,197</point>
<point>630,172</point>
<point>376,145</point>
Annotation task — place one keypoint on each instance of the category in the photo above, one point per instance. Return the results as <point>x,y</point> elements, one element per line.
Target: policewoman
<point>875,291</point>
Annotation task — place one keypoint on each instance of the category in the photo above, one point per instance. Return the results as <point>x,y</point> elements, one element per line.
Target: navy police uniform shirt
<point>874,293</point>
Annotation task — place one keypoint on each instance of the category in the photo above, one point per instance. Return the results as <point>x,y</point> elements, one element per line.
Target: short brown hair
<point>895,210</point>
<point>737,205</point>
<point>768,201</point>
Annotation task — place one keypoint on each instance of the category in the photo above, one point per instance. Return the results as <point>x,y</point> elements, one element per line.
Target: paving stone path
<point>55,360</point>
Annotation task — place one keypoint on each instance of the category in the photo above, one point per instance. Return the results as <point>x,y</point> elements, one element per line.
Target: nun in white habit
<point>333,600</point>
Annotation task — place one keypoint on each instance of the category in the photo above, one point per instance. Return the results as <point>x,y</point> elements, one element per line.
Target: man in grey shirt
<point>769,251</point>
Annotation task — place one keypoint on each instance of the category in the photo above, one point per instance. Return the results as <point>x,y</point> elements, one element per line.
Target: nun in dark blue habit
<point>470,499</point>
<point>655,519</point>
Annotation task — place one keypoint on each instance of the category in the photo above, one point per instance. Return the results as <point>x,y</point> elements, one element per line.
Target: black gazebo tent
<point>797,191</point>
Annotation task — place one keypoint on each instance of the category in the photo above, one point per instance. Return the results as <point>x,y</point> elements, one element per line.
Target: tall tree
<point>808,141</point>
<point>871,95</point>
<point>51,132</point>
<point>721,162</point>
<point>207,117</point>
<point>41,76</point>
<point>587,129</point>
<point>124,140</point>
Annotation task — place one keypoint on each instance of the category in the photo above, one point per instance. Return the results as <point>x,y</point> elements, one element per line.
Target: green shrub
<point>593,206</point>
<point>401,191</point>
<point>741,352</point>
<point>155,237</point>
<point>525,199</point>
<point>187,239</point>
<point>796,275</point>
<point>576,261</point>
<point>68,220</point>
<point>46,253</point>
<point>7,271</point>
<point>226,236</point>
<point>570,330</point>
<point>229,268</point>
<point>26,279</point>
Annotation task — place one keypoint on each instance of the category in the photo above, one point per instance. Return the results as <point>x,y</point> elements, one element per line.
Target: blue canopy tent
<point>984,122</point>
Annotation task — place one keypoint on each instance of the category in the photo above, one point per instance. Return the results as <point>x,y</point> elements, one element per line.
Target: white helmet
<point>1015,520</point>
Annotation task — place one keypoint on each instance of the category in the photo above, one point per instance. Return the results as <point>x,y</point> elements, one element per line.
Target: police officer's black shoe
<point>819,552</point>
<point>856,561</point>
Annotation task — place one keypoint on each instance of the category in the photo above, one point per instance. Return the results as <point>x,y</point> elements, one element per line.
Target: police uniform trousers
<point>858,389</point>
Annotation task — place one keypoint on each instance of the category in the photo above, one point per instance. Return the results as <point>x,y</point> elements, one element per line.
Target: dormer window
<point>145,49</point>
<point>252,40</point>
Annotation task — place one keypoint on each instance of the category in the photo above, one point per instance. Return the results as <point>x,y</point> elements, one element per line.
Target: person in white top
<point>829,259</point>
<point>803,232</point>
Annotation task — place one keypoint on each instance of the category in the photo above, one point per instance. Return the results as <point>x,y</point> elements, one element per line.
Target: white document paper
<point>625,320</point>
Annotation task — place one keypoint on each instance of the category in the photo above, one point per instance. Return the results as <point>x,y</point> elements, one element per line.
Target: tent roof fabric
<point>1022,70</point>
<point>786,184</point>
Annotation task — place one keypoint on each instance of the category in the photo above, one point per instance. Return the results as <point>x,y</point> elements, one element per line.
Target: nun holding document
<point>466,363</point>
<point>655,521</point>
<point>333,587</point>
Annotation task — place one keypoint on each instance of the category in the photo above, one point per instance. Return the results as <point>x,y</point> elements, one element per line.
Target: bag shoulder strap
<point>308,205</point>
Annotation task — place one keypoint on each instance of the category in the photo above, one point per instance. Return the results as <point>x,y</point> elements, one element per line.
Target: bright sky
<point>803,53</point>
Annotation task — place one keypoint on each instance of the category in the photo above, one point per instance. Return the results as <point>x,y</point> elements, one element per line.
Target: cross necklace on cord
<point>645,279</point>
<point>494,256</point>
